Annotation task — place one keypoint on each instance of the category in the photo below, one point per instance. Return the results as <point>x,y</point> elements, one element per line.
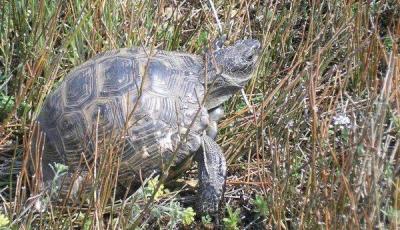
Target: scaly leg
<point>212,173</point>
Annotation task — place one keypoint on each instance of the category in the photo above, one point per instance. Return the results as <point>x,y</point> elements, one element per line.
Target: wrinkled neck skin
<point>220,86</point>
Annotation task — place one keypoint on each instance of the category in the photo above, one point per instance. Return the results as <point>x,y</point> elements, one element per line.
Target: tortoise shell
<point>151,103</point>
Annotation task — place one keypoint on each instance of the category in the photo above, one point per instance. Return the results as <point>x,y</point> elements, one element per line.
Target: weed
<point>206,220</point>
<point>232,220</point>
<point>4,221</point>
<point>261,205</point>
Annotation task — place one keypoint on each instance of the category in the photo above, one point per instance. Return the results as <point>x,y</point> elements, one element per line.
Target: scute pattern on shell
<point>80,88</point>
<point>118,75</point>
<point>150,102</point>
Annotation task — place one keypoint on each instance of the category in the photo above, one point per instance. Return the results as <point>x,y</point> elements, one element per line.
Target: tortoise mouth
<point>244,74</point>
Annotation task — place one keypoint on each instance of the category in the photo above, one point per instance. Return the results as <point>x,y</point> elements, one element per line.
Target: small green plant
<point>232,221</point>
<point>206,220</point>
<point>4,221</point>
<point>7,104</point>
<point>261,205</point>
<point>151,187</point>
<point>202,39</point>
<point>188,216</point>
<point>174,212</point>
<point>87,224</point>
<point>388,43</point>
<point>59,171</point>
<point>171,210</point>
<point>396,122</point>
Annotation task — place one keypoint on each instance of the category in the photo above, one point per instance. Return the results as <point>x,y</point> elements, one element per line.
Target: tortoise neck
<point>219,90</point>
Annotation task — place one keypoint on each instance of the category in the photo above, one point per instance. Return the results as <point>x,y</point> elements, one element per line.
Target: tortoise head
<point>229,69</point>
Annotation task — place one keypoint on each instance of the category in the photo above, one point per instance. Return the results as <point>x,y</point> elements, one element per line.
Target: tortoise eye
<point>250,57</point>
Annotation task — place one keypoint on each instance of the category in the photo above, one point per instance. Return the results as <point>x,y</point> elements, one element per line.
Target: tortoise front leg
<point>212,173</point>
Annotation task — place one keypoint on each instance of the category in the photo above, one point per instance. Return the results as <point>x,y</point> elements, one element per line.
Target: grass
<point>320,151</point>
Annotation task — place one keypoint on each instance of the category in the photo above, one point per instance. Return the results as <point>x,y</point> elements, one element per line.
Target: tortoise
<point>164,105</point>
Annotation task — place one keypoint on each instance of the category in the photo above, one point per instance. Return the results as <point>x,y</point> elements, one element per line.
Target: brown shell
<point>147,103</point>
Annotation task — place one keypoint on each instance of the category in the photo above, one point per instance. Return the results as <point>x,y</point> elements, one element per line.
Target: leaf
<point>4,221</point>
<point>188,216</point>
<point>233,219</point>
<point>261,205</point>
